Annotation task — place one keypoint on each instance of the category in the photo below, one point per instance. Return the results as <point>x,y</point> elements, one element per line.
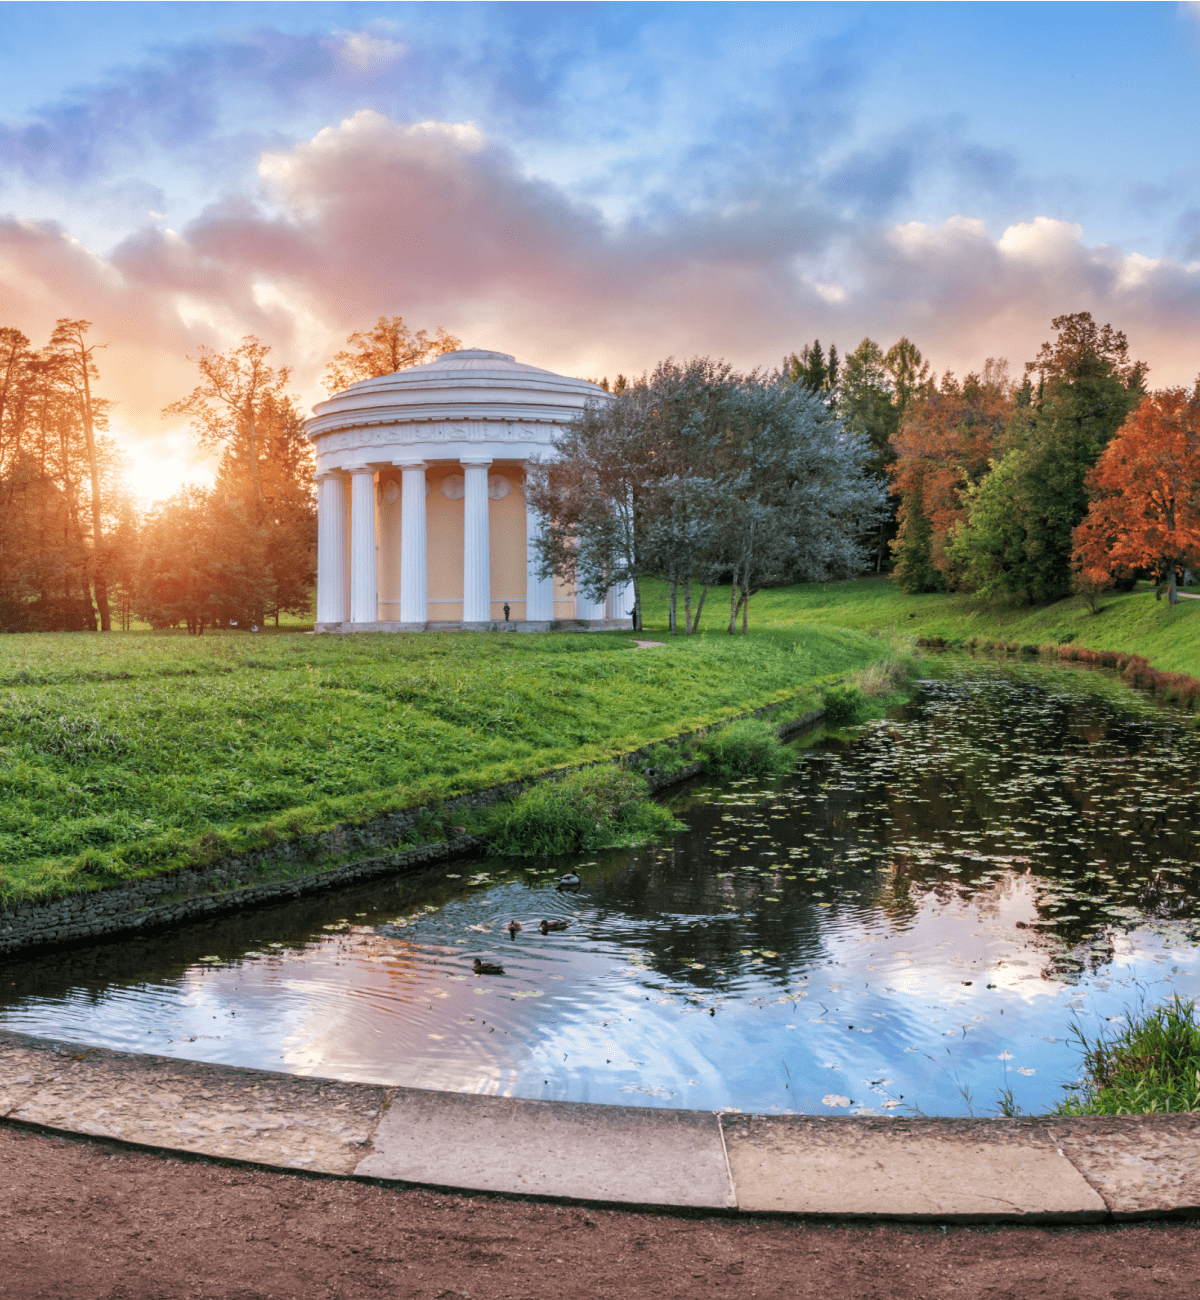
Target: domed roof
<point>470,384</point>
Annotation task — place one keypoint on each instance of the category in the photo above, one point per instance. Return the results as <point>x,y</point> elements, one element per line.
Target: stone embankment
<point>281,871</point>
<point>1046,1169</point>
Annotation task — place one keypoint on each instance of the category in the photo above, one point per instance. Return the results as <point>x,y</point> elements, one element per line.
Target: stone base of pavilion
<point>495,625</point>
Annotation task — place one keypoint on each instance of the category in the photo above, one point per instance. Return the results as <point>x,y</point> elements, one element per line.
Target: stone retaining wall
<point>253,879</point>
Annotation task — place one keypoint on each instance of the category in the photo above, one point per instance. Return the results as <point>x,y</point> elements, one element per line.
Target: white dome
<point>473,403</point>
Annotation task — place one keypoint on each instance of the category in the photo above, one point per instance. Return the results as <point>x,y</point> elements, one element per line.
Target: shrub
<point>1151,1065</point>
<point>886,677</point>
<point>599,807</point>
<point>746,748</point>
<point>844,706</point>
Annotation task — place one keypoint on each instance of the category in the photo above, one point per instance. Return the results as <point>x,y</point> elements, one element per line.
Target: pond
<point>910,923</point>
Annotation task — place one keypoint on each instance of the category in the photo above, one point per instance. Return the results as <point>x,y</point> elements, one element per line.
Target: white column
<point>414,571</point>
<point>477,560</point>
<point>332,596</point>
<point>588,609</point>
<point>620,601</point>
<point>539,592</point>
<point>364,604</point>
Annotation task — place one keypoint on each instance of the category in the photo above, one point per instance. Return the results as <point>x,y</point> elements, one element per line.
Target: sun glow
<point>157,470</point>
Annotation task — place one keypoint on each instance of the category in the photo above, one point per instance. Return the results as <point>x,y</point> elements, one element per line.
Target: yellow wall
<point>444,547</point>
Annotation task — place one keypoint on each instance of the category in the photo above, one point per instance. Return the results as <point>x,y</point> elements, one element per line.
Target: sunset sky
<point>593,187</point>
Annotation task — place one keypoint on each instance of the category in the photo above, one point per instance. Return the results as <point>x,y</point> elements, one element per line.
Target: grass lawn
<point>120,754</point>
<point>1134,622</point>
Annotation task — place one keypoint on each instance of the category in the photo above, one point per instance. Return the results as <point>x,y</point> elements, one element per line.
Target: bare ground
<point>86,1219</point>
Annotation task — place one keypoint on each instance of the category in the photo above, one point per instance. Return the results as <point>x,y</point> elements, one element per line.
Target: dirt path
<point>87,1220</point>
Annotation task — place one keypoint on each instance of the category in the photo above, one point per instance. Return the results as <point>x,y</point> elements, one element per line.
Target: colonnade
<point>347,589</point>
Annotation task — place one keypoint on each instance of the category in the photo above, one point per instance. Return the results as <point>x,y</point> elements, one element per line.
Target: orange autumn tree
<point>1145,507</point>
<point>944,445</point>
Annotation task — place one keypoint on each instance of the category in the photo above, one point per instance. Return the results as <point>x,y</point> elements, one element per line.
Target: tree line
<point>1075,477</point>
<point>75,551</point>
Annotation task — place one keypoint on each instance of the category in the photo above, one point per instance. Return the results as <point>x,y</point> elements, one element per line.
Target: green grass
<point>597,808</point>
<point>128,755</point>
<point>749,747</point>
<point>131,754</point>
<point>1134,621</point>
<point>1150,1066</point>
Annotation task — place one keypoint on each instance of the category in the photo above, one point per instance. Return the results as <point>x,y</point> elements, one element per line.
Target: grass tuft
<point>845,705</point>
<point>1150,1066</point>
<point>746,748</point>
<point>596,808</point>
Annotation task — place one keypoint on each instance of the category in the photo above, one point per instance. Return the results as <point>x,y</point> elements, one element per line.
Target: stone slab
<point>940,1170</point>
<point>215,1110</point>
<point>619,1154</point>
<point>1144,1166</point>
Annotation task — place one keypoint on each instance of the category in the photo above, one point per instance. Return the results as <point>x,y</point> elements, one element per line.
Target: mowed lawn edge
<point>131,756</point>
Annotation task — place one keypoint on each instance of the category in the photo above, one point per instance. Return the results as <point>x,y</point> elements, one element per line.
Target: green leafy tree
<point>1086,386</point>
<point>203,564</point>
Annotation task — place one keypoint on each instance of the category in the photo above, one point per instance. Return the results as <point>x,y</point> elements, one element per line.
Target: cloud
<point>435,221</point>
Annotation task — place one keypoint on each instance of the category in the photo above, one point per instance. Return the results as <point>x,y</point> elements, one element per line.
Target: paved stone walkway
<point>942,1170</point>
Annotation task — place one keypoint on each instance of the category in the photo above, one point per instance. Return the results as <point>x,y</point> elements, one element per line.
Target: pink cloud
<point>438,223</point>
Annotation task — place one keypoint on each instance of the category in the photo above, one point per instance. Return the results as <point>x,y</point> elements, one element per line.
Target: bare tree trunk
<point>687,605</point>
<point>637,604</point>
<point>699,608</point>
<point>733,602</point>
<point>746,610</point>
<point>1172,593</point>
<point>672,623</point>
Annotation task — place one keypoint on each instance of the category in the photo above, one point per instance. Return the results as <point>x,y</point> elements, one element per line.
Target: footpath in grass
<point>127,755</point>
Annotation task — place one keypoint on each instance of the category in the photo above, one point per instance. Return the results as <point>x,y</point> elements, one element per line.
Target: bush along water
<point>747,748</point>
<point>845,705</point>
<point>1151,1066</point>
<point>596,808</point>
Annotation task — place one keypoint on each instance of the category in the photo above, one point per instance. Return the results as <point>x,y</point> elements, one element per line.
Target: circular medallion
<point>454,487</point>
<point>391,492</point>
<point>498,487</point>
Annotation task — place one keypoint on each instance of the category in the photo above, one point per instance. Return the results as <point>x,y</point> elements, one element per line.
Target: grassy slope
<point>119,753</point>
<point>1136,622</point>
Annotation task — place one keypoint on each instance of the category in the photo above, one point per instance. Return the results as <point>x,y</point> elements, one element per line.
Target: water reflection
<point>911,922</point>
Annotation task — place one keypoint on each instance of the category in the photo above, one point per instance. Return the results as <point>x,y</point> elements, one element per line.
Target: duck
<point>512,927</point>
<point>487,967</point>
<point>569,881</point>
<point>547,926</point>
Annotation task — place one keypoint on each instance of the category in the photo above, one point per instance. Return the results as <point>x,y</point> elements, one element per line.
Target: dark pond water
<point>911,923</point>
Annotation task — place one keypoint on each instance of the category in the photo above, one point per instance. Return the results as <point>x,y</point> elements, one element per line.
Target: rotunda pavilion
<point>422,522</point>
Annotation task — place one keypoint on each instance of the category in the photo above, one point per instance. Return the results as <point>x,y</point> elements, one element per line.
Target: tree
<point>1145,507</point>
<point>265,472</point>
<point>944,445</point>
<point>814,372</point>
<point>48,564</point>
<point>203,563</point>
<point>389,346</point>
<point>69,346</point>
<point>696,473</point>
<point>224,407</point>
<point>801,498</point>
<point>876,388</point>
<point>1086,387</point>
